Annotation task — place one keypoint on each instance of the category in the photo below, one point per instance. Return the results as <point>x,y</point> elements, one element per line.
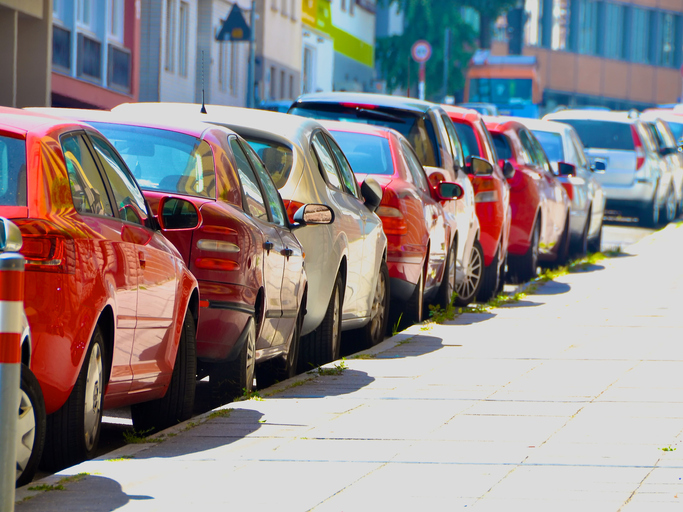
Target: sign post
<point>421,51</point>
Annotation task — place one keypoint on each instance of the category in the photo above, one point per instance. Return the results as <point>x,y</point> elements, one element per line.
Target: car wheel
<point>563,248</point>
<point>30,427</point>
<point>73,431</point>
<point>580,246</point>
<point>233,379</point>
<point>373,332</point>
<point>595,244</point>
<point>474,273</point>
<point>649,216</point>
<point>523,268</point>
<point>414,309</point>
<point>278,369</point>
<point>323,344</point>
<point>447,288</point>
<point>489,284</point>
<point>669,210</point>
<point>178,402</point>
<point>503,273</point>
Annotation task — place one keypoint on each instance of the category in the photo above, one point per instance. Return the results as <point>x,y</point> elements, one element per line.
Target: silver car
<point>345,260</point>
<point>562,145</point>
<point>637,181</point>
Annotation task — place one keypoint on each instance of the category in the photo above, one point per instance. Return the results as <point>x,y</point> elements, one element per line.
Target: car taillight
<point>638,145</point>
<point>292,207</point>
<point>46,248</point>
<point>484,190</point>
<point>216,264</point>
<point>389,212</point>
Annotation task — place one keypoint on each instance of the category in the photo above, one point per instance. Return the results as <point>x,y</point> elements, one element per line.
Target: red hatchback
<point>418,235</point>
<point>540,205</point>
<point>491,197</point>
<point>111,306</point>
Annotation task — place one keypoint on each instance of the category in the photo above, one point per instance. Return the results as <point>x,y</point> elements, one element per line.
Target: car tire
<point>580,246</point>
<point>282,368</point>
<point>562,256</point>
<point>373,333</point>
<point>467,291</point>
<point>524,268</point>
<point>649,215</point>
<point>178,402</point>
<point>668,213</point>
<point>489,284</point>
<point>233,379</point>
<point>323,344</point>
<point>414,309</point>
<point>73,431</point>
<point>595,244</point>
<point>446,290</point>
<point>30,427</point>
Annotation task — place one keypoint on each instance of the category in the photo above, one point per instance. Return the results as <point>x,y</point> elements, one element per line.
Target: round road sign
<point>421,51</point>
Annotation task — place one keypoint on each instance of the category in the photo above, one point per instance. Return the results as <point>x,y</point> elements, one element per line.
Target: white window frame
<point>169,57</point>
<point>85,14</point>
<point>183,37</point>
<point>117,20</point>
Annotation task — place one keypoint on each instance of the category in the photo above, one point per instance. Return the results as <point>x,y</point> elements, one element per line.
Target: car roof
<point>499,124</point>
<point>594,115</point>
<point>541,124</point>
<point>467,114</point>
<point>24,121</point>
<point>381,100</point>
<point>367,129</point>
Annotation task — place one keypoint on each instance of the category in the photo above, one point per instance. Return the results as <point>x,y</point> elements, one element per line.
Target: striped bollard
<point>11,311</point>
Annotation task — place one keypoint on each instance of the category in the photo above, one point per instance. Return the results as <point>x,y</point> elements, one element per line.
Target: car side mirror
<point>372,193</point>
<point>174,213</point>
<point>565,169</point>
<point>599,166</point>
<point>311,214</point>
<point>480,167</point>
<point>508,170</point>
<point>446,190</point>
<point>10,236</point>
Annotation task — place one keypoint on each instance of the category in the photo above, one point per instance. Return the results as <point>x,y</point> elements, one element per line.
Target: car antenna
<point>203,110</point>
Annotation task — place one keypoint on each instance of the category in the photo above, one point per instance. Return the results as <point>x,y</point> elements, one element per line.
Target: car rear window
<point>603,134</point>
<point>552,144</point>
<point>676,129</point>
<point>414,126</point>
<point>164,160</point>
<point>367,154</point>
<point>12,171</point>
<point>468,139</point>
<point>502,144</point>
<point>277,157</point>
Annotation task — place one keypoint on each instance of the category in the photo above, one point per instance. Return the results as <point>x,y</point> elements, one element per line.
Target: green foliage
<point>337,370</point>
<point>133,436</point>
<point>394,329</point>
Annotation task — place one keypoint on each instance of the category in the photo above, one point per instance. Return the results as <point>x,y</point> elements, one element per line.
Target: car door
<point>293,271</point>
<point>256,206</point>
<point>157,272</point>
<point>104,246</point>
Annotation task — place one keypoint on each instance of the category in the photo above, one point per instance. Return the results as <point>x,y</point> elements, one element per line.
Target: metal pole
<point>421,83</point>
<point>252,56</point>
<point>11,310</point>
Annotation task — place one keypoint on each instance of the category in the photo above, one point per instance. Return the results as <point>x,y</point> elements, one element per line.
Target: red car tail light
<point>291,207</point>
<point>46,248</point>
<point>389,211</point>
<point>638,145</point>
<point>484,190</point>
<point>216,264</point>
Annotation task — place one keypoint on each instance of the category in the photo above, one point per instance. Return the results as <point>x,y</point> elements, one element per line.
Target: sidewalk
<point>563,401</point>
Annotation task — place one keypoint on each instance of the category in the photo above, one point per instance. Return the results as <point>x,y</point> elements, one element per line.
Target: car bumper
<point>630,199</point>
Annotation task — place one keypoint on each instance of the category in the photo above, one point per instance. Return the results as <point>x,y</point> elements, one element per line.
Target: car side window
<point>277,210</point>
<point>326,160</point>
<point>255,204</point>
<point>530,149</point>
<point>129,200</point>
<point>87,187</point>
<point>578,150</point>
<point>542,157</point>
<point>347,175</point>
<point>458,154</point>
<point>415,168</point>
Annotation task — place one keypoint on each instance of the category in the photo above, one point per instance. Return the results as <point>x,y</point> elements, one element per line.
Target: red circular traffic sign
<point>421,51</point>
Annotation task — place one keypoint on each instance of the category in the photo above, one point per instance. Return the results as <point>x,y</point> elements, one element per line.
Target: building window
<point>293,10</point>
<point>170,35</point>
<point>588,17</point>
<point>308,70</point>
<point>668,39</point>
<point>89,58</point>
<point>84,14</point>
<point>273,88</point>
<point>282,84</point>
<point>352,7</point>
<point>273,5</point>
<point>291,87</point>
<point>234,61</point>
<point>183,37</point>
<point>222,65</point>
<point>284,10</point>
<point>343,5</point>
<point>560,24</point>
<point>61,48</point>
<point>533,25</point>
<point>614,31</point>
<point>116,20</point>
<point>640,29</point>
<point>118,73</point>
<point>57,10</point>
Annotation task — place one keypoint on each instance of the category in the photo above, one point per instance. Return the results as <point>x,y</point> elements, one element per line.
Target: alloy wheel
<point>93,396</point>
<point>473,274</point>
<point>378,308</point>
<point>26,431</point>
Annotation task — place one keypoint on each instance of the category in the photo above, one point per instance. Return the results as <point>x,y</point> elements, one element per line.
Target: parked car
<point>485,109</point>
<point>563,147</point>
<point>540,205</point>
<point>237,241</point>
<point>491,197</point>
<point>112,308</point>
<point>345,260</point>
<point>435,141</point>
<point>637,181</point>
<point>413,219</point>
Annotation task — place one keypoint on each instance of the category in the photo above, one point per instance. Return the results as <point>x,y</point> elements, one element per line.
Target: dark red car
<point>111,305</point>
<point>418,234</point>
<point>540,205</point>
<point>491,197</point>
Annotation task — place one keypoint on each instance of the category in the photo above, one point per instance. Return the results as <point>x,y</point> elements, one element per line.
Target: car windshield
<point>552,145</point>
<point>164,160</point>
<point>12,171</point>
<point>502,145</point>
<point>277,157</point>
<point>603,134</point>
<point>414,126</point>
<point>367,154</point>
<point>468,139</point>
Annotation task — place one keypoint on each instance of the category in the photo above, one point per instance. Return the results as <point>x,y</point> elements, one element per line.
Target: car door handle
<point>287,252</point>
<point>268,245</point>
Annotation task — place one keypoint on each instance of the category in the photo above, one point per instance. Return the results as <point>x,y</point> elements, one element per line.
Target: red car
<point>540,205</point>
<point>491,197</point>
<point>111,306</point>
<point>418,235</point>
<point>243,251</point>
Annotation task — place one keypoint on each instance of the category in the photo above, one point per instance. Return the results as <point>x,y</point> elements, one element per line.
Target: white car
<point>562,145</point>
<point>345,260</point>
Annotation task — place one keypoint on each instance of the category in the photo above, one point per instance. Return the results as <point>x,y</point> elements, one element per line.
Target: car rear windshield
<point>552,145</point>
<point>12,171</point>
<point>468,139</point>
<point>676,129</point>
<point>277,157</point>
<point>603,134</point>
<point>164,160</point>
<point>502,145</point>
<point>414,126</point>
<point>367,154</point>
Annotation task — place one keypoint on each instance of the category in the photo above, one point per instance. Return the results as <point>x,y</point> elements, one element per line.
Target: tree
<point>488,11</point>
